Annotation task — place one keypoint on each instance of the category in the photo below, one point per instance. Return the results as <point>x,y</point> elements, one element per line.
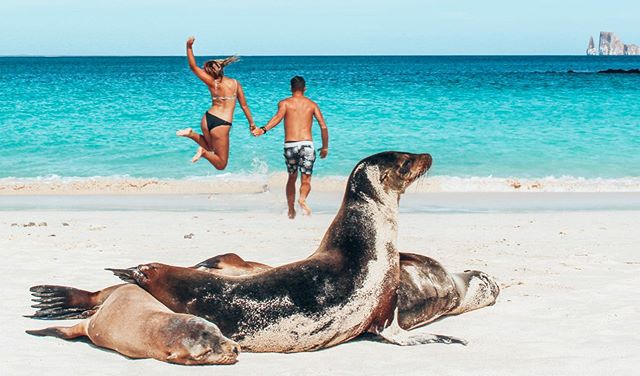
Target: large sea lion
<point>426,291</point>
<point>347,287</point>
<point>419,302</point>
<point>135,324</point>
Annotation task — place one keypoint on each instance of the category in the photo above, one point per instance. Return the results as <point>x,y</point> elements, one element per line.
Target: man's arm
<point>323,130</point>
<point>275,120</point>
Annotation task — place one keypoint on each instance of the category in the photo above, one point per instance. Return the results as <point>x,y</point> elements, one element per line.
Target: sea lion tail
<point>60,303</point>
<point>128,275</point>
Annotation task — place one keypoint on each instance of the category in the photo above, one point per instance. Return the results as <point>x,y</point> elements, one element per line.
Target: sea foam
<point>245,183</point>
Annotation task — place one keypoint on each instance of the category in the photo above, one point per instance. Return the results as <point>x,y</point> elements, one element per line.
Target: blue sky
<point>299,27</point>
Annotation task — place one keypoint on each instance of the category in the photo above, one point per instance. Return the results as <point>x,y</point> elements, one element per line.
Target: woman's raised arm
<point>199,72</point>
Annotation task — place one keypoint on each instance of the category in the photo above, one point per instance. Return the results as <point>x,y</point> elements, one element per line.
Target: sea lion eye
<point>406,167</point>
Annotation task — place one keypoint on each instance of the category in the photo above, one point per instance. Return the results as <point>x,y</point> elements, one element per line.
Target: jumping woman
<point>216,122</point>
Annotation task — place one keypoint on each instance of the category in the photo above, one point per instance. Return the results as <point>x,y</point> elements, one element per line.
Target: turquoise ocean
<point>480,117</point>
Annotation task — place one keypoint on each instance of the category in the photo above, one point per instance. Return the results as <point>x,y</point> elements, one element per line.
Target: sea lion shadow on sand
<point>346,288</point>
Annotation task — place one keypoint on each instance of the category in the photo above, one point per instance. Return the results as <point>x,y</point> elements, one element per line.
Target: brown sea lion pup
<point>347,287</point>
<point>133,323</point>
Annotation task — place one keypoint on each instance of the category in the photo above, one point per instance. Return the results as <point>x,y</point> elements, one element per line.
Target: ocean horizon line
<point>319,55</point>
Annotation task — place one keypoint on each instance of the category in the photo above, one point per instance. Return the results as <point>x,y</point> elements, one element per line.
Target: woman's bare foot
<point>292,213</point>
<point>184,132</point>
<point>306,210</point>
<point>198,155</point>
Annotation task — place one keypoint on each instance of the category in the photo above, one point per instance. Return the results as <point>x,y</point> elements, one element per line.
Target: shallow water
<point>522,117</point>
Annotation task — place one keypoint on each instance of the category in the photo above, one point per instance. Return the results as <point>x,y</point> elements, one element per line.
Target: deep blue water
<point>478,116</point>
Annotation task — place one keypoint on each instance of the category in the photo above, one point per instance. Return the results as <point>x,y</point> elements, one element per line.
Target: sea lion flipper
<point>61,314</point>
<point>412,339</point>
<point>61,302</point>
<point>64,332</point>
<point>396,335</point>
<point>127,275</point>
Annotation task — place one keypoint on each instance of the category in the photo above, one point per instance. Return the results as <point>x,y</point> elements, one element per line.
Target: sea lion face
<point>479,290</point>
<point>393,171</point>
<point>404,170</point>
<point>204,344</point>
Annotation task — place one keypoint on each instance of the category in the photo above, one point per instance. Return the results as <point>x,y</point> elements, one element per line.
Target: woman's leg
<point>198,138</point>
<point>220,144</point>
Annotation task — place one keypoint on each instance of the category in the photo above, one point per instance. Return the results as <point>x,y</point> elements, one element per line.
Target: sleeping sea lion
<point>135,324</point>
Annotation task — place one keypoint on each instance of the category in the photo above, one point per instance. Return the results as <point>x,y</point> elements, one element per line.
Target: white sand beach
<point>568,303</point>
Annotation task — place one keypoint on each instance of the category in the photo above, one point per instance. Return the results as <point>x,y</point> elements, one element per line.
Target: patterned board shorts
<point>299,155</point>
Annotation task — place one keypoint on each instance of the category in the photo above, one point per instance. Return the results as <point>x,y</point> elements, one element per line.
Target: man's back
<point>298,112</point>
<point>298,118</point>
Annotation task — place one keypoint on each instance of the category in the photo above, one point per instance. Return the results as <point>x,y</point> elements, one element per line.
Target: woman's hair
<point>215,68</point>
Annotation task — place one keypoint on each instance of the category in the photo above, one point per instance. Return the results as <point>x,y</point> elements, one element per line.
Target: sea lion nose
<point>428,160</point>
<point>231,348</point>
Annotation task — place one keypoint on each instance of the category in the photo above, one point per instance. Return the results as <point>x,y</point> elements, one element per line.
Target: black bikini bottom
<point>214,121</point>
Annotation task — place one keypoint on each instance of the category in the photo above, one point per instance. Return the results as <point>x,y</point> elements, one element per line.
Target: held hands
<point>324,152</point>
<point>190,41</point>
<point>257,131</point>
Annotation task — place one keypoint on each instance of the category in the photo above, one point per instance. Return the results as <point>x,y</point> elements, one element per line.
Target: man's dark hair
<point>297,83</point>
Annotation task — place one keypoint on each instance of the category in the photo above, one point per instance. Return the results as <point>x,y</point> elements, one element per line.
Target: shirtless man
<point>298,112</point>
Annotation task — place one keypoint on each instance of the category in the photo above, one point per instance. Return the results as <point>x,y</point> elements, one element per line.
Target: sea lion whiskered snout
<point>207,345</point>
<point>393,170</point>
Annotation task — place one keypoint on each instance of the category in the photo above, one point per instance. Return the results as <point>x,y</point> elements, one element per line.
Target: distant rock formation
<point>591,49</point>
<point>631,49</point>
<point>610,44</point>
